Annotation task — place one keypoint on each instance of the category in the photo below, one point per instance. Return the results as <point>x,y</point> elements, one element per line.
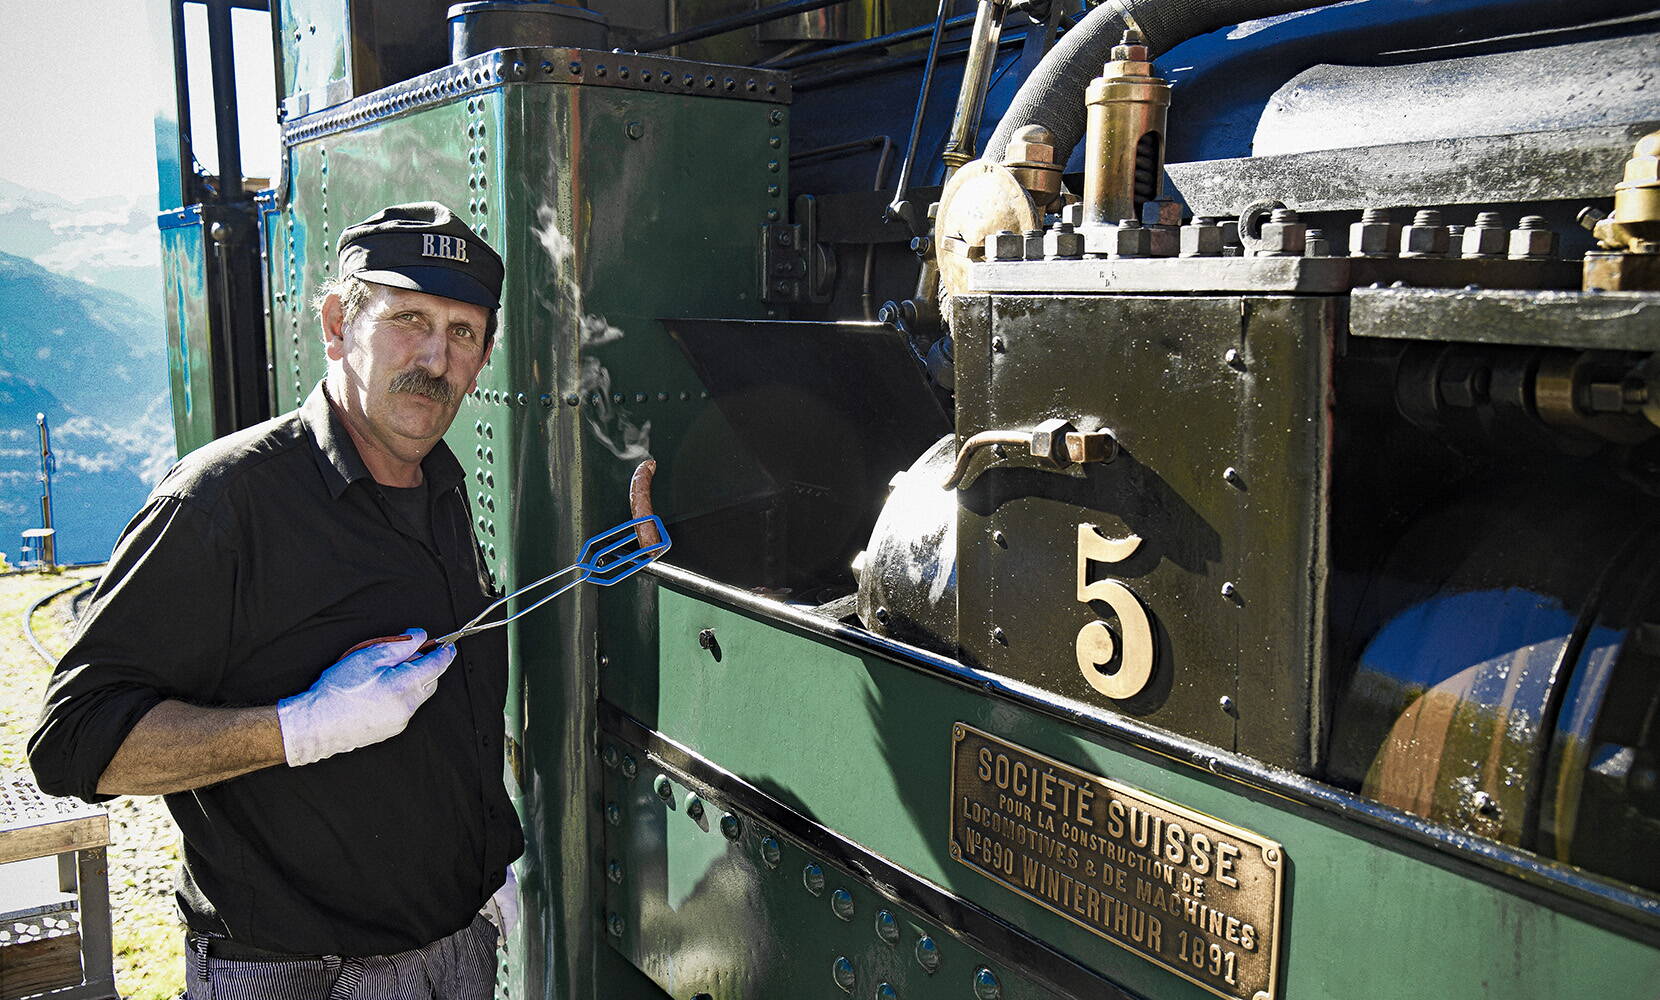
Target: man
<point>343,824</point>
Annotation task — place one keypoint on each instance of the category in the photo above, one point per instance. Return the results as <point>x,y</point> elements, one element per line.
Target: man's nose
<point>433,354</point>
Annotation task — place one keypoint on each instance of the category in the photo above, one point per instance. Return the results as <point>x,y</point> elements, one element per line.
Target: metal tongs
<point>611,556</point>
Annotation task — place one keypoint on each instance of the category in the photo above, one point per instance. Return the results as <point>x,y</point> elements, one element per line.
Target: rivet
<point>613,814</point>
<point>771,854</point>
<point>812,877</point>
<point>1225,703</point>
<point>635,130</point>
<point>882,615</point>
<point>706,639</point>
<point>1229,590</point>
<point>986,986</point>
<point>572,399</point>
<point>999,636</point>
<point>521,399</point>
<point>928,955</point>
<point>730,826</point>
<point>885,992</point>
<point>664,789</point>
<point>841,904</point>
<point>1233,358</point>
<point>599,69</point>
<point>629,767</point>
<point>614,924</point>
<point>622,72</point>
<point>773,190</point>
<point>694,808</point>
<point>610,755</point>
<point>997,345</point>
<point>1233,477</point>
<point>772,166</point>
<point>614,871</point>
<point>999,539</point>
<point>843,974</point>
<point>775,116</point>
<point>887,928</point>
<point>772,215</point>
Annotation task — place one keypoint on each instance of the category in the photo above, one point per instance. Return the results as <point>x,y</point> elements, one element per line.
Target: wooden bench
<point>54,932</point>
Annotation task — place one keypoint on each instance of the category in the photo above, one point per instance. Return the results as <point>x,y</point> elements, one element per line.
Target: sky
<point>79,92</point>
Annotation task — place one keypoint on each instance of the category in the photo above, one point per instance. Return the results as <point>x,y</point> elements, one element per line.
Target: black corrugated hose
<point>1053,96</point>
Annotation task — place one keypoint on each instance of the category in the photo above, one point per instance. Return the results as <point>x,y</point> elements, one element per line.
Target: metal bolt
<point>922,246</point>
<point>1129,239</point>
<point>887,928</point>
<point>1374,235</point>
<point>613,814</point>
<point>1426,236</point>
<point>706,639</point>
<point>614,871</point>
<point>928,955</point>
<point>614,924</point>
<point>1532,239</point>
<point>999,636</point>
<point>1229,590</point>
<point>841,904</point>
<point>1225,703</point>
<point>1201,238</point>
<point>664,789</point>
<point>986,986</point>
<point>1283,235</point>
<point>1316,244</point>
<point>1005,245</point>
<point>842,973</point>
<point>999,539</point>
<point>882,615</point>
<point>630,767</point>
<point>1233,478</point>
<point>812,877</point>
<point>610,755</point>
<point>694,808</point>
<point>1062,242</point>
<point>771,854</point>
<point>1487,238</point>
<point>1033,247</point>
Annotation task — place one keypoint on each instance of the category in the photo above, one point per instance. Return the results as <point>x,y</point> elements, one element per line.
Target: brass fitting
<point>1635,225</point>
<point>1124,144</point>
<point>1031,158</point>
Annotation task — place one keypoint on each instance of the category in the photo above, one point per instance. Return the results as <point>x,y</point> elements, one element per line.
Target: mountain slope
<point>110,241</point>
<point>100,352</point>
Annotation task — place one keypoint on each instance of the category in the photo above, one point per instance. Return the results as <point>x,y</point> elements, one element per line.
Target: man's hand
<point>367,697</point>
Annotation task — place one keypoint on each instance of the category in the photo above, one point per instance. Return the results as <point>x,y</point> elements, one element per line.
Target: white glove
<point>502,909</point>
<point>367,697</point>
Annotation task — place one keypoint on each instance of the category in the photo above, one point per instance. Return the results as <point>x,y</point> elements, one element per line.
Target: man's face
<point>404,363</point>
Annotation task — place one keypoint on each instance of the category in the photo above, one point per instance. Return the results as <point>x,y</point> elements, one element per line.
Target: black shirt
<point>257,562</point>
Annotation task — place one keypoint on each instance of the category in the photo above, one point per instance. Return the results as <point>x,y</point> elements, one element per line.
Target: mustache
<point>423,383</point>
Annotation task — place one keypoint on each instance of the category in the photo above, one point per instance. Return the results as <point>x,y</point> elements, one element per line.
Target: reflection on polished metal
<point>1196,895</point>
<point>1124,144</point>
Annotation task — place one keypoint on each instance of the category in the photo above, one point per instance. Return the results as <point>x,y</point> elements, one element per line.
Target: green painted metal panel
<point>189,340</point>
<point>316,46</point>
<point>861,745</point>
<point>565,182</point>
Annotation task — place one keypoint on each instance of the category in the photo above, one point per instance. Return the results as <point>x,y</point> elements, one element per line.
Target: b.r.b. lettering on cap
<point>448,247</point>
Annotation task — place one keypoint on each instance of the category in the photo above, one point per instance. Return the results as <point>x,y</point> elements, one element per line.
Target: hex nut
<point>1316,244</point>
<point>1373,239</point>
<point>1032,144</point>
<point>1201,238</point>
<point>1049,440</point>
<point>1283,239</point>
<point>1034,244</point>
<point>1532,244</point>
<point>1425,241</point>
<point>1131,239</point>
<point>1485,241</point>
<point>1063,243</point>
<point>1163,212</point>
<point>1073,214</point>
<point>1006,245</point>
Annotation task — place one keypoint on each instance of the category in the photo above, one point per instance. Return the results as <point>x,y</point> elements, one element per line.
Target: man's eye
<point>465,332</point>
<point>408,317</point>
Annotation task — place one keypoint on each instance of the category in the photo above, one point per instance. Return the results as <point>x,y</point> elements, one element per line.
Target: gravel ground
<point>148,936</point>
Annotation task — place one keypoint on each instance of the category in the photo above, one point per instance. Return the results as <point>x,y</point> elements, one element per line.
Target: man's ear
<point>334,328</point>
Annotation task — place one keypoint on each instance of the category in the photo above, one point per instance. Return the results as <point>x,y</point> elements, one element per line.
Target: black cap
<point>425,248</point>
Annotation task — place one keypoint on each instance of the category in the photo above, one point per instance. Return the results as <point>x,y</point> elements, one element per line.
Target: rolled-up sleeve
<point>158,629</point>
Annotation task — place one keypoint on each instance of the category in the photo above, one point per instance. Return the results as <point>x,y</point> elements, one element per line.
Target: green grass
<point>149,943</point>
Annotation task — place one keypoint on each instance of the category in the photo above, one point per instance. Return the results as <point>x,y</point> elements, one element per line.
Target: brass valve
<point>1635,225</point>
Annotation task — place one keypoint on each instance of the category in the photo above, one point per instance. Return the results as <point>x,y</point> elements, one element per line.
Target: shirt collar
<point>337,458</point>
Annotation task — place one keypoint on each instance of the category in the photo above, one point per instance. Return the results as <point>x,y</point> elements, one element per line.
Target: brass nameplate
<point>1195,895</point>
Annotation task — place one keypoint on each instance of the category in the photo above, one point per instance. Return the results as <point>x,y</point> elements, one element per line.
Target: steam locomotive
<point>1163,493</point>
